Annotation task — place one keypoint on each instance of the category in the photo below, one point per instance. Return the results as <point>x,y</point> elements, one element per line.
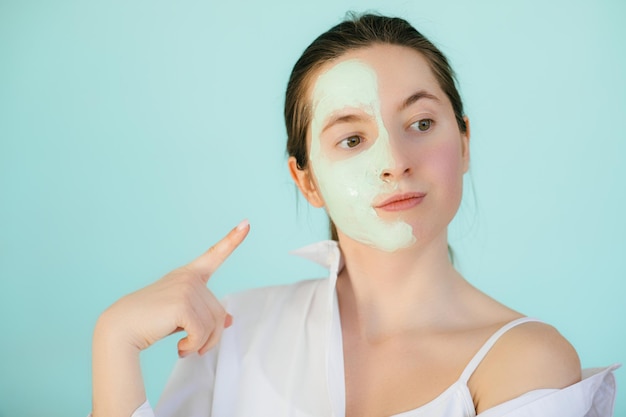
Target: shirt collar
<point>325,253</point>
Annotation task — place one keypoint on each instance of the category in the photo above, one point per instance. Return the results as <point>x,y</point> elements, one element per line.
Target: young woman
<point>377,136</point>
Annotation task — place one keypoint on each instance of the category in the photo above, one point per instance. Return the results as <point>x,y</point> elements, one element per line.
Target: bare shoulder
<point>528,357</point>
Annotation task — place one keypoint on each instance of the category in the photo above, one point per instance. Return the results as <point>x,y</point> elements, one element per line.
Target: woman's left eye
<point>423,125</point>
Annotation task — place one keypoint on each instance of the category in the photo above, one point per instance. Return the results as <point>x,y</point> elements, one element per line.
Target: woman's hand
<point>178,301</point>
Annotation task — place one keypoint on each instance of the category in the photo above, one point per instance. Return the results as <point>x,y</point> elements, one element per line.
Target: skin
<point>410,321</point>
<point>352,179</point>
<point>180,301</point>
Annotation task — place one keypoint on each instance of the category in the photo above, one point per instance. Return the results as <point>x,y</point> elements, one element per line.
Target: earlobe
<point>305,183</point>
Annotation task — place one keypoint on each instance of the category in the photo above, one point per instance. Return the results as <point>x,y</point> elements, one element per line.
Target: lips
<point>401,202</point>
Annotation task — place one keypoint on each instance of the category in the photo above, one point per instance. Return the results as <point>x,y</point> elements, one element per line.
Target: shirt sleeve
<point>594,396</point>
<point>144,410</point>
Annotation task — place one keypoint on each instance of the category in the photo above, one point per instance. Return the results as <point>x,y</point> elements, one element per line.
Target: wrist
<point>118,387</point>
<point>111,333</point>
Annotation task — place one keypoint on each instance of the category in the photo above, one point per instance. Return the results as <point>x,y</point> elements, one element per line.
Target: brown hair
<point>354,33</point>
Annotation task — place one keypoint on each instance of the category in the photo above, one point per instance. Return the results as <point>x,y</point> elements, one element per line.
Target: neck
<point>384,294</point>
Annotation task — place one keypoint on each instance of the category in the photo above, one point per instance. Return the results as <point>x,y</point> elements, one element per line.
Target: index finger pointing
<point>210,260</point>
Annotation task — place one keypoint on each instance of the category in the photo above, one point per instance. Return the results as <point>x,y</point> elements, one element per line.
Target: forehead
<point>387,71</point>
<point>350,82</point>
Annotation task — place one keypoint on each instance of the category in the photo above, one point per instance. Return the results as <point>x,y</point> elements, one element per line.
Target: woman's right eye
<point>350,142</point>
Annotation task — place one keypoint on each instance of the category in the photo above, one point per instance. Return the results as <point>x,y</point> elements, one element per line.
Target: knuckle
<point>222,248</point>
<point>220,313</point>
<point>197,337</point>
<point>215,251</point>
<point>188,273</point>
<point>186,290</point>
<point>211,342</point>
<point>186,319</point>
<point>210,345</point>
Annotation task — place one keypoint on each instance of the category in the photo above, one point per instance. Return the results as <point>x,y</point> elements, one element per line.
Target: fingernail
<point>228,321</point>
<point>244,224</point>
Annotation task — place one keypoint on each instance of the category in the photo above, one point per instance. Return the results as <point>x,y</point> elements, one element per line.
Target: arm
<point>178,301</point>
<point>118,388</point>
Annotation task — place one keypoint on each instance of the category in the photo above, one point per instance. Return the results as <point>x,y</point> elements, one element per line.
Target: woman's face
<point>385,151</point>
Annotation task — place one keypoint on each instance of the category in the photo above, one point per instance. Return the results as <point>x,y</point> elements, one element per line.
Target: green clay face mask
<point>349,185</point>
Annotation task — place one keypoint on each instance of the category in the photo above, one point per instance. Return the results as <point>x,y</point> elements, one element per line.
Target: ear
<point>305,183</point>
<point>465,149</point>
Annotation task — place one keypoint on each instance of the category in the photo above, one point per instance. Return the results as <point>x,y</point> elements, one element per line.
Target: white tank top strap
<point>480,355</point>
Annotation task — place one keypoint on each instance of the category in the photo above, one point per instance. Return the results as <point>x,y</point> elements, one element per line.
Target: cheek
<point>446,164</point>
<point>345,182</point>
<point>357,179</point>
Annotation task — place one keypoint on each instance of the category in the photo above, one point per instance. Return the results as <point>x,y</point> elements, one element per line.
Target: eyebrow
<point>343,118</point>
<point>352,118</point>
<point>415,97</point>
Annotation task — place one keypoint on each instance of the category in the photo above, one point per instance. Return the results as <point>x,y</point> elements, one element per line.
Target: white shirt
<point>283,356</point>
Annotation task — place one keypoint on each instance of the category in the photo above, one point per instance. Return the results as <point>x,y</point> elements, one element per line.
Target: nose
<point>399,162</point>
<point>389,175</point>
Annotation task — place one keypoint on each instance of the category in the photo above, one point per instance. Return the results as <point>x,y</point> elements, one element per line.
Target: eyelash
<point>415,125</point>
<point>344,142</point>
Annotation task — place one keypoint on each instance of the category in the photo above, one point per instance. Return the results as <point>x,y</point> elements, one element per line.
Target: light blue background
<point>134,134</point>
